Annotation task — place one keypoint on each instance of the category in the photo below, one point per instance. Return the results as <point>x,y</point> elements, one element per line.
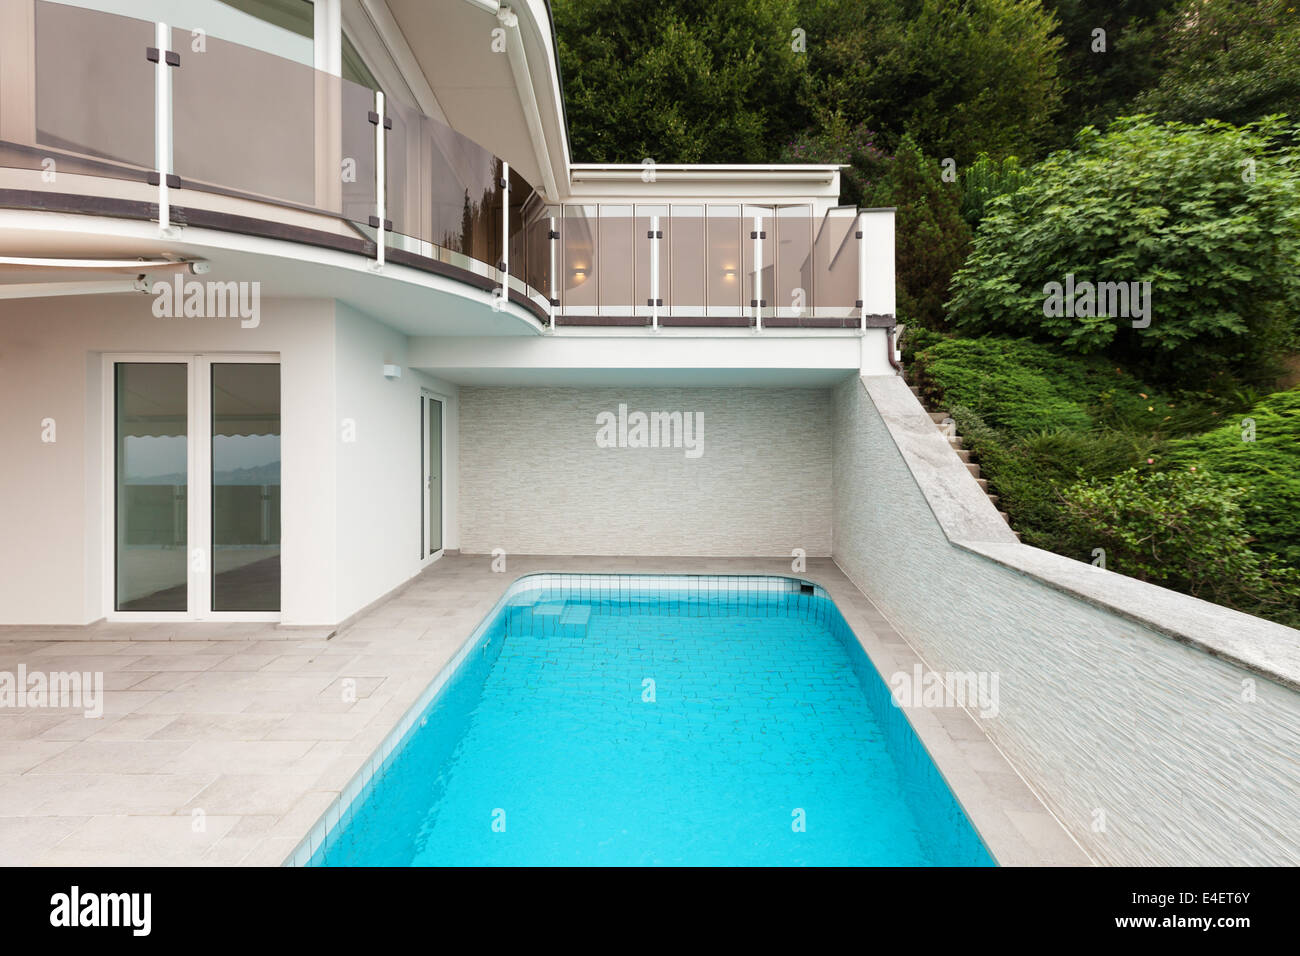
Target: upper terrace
<point>131,119</point>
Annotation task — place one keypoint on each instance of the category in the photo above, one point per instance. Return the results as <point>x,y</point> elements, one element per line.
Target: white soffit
<point>452,41</point>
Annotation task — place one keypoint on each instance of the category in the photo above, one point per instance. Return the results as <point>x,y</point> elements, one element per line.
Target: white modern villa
<point>301,300</point>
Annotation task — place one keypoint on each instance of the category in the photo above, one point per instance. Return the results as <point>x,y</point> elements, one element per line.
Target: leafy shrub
<point>985,180</point>
<point>1013,384</point>
<point>1267,466</point>
<point>1184,530</point>
<point>1028,471</point>
<point>1026,387</point>
<point>916,339</point>
<point>1166,204</point>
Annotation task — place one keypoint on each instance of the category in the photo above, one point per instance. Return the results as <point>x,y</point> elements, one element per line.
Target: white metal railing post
<point>553,236</point>
<point>163,123</point>
<point>381,182</point>
<point>758,273</point>
<point>504,264</point>
<point>655,299</point>
<point>862,271</point>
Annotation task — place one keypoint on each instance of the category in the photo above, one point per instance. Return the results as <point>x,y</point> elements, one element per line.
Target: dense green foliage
<point>1015,384</point>
<point>931,238</point>
<point>1044,424</point>
<point>1185,530</point>
<point>1234,60</point>
<point>1026,387</point>
<point>835,140</point>
<point>938,70</point>
<point>1209,215</point>
<point>1028,470</point>
<point>1261,451</point>
<point>985,180</point>
<point>1103,72</point>
<point>677,81</point>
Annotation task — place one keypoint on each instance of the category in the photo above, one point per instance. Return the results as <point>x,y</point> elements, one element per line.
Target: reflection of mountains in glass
<point>268,474</point>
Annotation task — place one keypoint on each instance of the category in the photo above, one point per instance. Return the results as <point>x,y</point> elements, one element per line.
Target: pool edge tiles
<point>926,790</point>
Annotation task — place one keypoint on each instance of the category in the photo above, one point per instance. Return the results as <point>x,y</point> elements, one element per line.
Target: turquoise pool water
<point>609,720</point>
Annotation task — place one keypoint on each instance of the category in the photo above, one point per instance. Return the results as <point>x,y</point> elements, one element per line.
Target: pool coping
<point>1010,819</point>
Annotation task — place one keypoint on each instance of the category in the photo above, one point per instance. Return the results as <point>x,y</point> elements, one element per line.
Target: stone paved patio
<point>223,744</point>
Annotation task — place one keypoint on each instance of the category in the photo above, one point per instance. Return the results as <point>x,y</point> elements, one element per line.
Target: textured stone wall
<point>1184,758</point>
<point>533,479</point>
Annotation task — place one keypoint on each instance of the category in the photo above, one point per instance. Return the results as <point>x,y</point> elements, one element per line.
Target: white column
<point>876,262</point>
<point>327,50</point>
<point>553,243</point>
<point>758,273</point>
<point>381,197</point>
<point>163,124</point>
<point>876,286</point>
<point>654,272</point>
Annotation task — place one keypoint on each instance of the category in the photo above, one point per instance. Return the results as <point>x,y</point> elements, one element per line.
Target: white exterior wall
<point>1108,720</point>
<point>55,499</point>
<point>350,513</point>
<point>534,481</point>
<point>378,495</point>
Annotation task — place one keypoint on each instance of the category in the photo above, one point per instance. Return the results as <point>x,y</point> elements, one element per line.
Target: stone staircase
<point>943,421</point>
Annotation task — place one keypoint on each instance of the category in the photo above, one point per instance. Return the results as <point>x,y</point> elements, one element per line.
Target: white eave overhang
<point>509,101</point>
<point>717,172</point>
<point>747,183</point>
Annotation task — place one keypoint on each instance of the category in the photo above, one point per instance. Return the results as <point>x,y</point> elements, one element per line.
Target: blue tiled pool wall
<point>449,712</point>
<point>927,792</point>
<point>696,596</point>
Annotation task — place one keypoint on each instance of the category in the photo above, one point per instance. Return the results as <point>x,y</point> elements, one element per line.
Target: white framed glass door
<point>432,421</point>
<point>194,476</point>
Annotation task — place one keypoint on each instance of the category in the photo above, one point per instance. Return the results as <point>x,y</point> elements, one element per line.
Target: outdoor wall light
<point>392,372</point>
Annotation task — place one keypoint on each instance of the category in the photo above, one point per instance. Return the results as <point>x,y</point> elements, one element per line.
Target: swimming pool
<point>653,720</point>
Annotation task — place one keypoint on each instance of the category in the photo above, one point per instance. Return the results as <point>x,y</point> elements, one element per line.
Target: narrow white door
<point>431,411</point>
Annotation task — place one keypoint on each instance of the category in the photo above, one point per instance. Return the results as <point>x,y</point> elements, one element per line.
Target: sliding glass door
<point>245,486</point>
<point>152,452</point>
<point>196,478</point>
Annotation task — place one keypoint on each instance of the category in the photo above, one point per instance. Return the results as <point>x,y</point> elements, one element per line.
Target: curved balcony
<point>305,155</point>
<point>210,133</point>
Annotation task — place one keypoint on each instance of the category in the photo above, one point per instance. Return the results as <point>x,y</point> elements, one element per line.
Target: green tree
<point>1111,50</point>
<point>984,180</point>
<point>1234,60</point>
<point>931,238</point>
<point>680,82</point>
<point>963,78</point>
<point>835,140</point>
<point>1209,215</point>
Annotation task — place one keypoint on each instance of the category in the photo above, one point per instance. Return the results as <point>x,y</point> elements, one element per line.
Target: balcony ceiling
<point>404,299</point>
<point>476,87</point>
